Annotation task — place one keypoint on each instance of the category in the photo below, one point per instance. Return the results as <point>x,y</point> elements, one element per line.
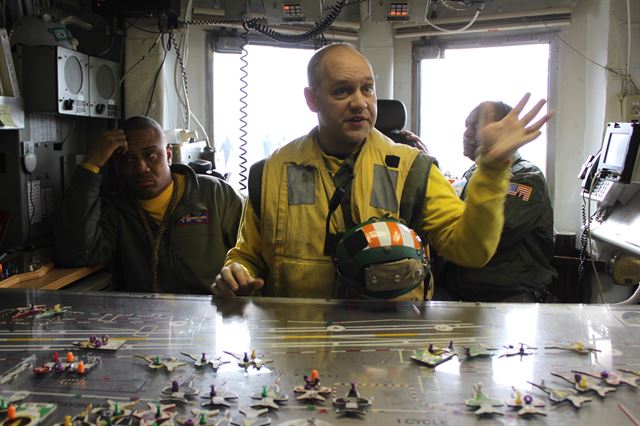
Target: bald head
<point>140,122</point>
<point>315,70</point>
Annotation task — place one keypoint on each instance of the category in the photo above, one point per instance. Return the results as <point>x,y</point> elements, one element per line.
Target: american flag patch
<point>521,191</point>
<point>196,218</point>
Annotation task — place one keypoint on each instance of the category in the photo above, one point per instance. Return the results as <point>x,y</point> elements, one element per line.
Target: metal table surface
<point>365,342</point>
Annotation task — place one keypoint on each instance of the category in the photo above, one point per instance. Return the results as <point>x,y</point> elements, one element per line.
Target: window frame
<point>425,49</point>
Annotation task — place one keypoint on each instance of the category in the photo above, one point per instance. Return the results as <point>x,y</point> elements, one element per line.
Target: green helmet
<point>381,258</point>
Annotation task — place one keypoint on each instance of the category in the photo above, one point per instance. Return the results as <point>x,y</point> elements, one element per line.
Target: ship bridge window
<point>451,86</point>
<point>271,108</point>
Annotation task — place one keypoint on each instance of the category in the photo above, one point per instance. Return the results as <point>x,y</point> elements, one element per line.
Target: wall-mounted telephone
<point>588,170</point>
<point>595,186</point>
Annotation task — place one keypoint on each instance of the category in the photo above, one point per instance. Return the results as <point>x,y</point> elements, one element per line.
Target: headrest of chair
<point>392,115</point>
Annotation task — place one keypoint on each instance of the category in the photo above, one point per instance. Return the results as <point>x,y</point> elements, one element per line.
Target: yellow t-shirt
<point>156,207</point>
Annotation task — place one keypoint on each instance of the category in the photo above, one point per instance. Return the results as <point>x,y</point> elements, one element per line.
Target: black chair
<point>392,117</point>
<point>205,167</point>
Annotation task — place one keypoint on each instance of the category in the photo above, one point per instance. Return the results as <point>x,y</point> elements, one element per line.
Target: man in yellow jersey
<point>282,243</point>
<point>165,229</point>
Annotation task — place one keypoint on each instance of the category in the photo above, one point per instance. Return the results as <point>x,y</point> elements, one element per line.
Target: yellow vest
<point>296,189</point>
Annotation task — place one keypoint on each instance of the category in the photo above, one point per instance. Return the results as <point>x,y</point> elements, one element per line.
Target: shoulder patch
<point>519,190</point>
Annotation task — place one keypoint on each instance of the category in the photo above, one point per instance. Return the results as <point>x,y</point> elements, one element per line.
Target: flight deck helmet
<point>381,258</point>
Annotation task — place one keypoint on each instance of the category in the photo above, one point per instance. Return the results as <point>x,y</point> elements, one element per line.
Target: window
<point>451,87</point>
<point>276,109</point>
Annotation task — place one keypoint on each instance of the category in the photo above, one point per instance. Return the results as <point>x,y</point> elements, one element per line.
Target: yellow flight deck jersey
<point>285,245</point>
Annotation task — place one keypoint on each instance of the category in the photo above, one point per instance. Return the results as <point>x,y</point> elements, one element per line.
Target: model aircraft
<point>199,362</point>
<point>219,397</point>
<point>270,397</point>
<point>245,361</point>
<point>526,405</point>
<point>582,384</point>
<point>562,394</point>
<point>180,393</point>
<point>155,413</point>
<point>577,347</point>
<point>352,403</point>
<point>312,390</point>
<point>482,403</point>
<point>27,311</point>
<point>157,362</point>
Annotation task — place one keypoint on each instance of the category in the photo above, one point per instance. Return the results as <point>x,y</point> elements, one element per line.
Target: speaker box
<point>104,88</point>
<point>55,80</point>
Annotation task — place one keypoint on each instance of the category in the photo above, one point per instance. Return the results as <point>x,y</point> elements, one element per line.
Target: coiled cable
<point>183,71</point>
<point>318,28</point>
<point>243,108</point>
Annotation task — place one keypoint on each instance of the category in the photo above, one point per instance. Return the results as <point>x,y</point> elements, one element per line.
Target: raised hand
<point>108,143</point>
<point>499,140</point>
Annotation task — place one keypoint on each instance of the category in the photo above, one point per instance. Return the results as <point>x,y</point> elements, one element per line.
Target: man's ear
<point>311,99</point>
<point>169,153</point>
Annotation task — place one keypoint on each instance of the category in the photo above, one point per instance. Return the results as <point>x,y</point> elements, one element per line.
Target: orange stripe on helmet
<point>396,235</point>
<point>371,235</point>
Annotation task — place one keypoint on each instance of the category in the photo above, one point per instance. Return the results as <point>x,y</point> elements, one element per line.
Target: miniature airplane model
<point>312,390</point>
<point>157,362</point>
<point>245,361</point>
<point>475,351</point>
<point>71,364</point>
<point>56,311</point>
<point>219,397</point>
<point>270,398</point>
<point>16,370</point>
<point>27,311</point>
<point>522,351</point>
<point>482,403</point>
<point>352,403</point>
<point>179,392</point>
<point>582,384</point>
<point>577,347</point>
<point>155,413</point>
<point>560,394</point>
<point>612,378</point>
<point>214,363</point>
<point>202,418</point>
<point>434,356</point>
<point>527,405</point>
<point>103,343</point>
<point>252,418</point>
<point>113,414</point>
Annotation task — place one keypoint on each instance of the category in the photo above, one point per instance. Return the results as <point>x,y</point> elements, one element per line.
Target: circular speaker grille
<point>105,81</point>
<point>73,74</point>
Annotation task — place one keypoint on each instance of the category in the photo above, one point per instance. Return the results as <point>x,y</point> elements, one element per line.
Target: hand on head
<point>234,280</point>
<point>499,140</point>
<point>108,143</point>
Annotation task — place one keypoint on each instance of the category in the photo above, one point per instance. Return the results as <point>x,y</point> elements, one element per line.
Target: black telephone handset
<point>588,170</point>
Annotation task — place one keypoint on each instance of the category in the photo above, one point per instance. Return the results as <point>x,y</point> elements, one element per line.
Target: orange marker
<point>80,368</point>
<point>70,357</point>
<point>11,412</point>
<point>314,375</point>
